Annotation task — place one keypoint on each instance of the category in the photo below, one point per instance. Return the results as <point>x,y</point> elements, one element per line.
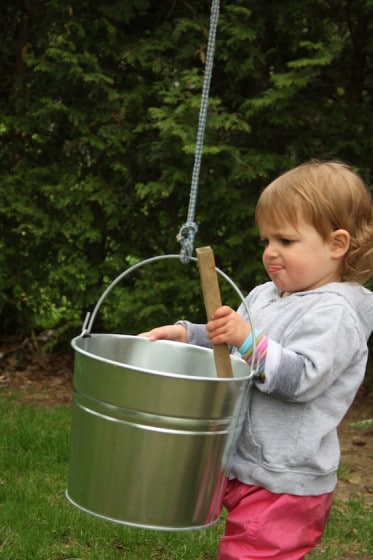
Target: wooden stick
<point>212,299</point>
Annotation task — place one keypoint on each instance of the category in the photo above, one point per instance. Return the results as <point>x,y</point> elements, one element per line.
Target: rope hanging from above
<point>189,228</point>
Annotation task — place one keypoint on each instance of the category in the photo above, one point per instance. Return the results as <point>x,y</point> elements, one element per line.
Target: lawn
<point>37,522</point>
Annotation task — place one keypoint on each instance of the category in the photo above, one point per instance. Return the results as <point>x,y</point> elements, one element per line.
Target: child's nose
<point>270,250</point>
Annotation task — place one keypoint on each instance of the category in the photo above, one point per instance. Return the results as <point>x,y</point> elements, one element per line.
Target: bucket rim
<point>171,343</point>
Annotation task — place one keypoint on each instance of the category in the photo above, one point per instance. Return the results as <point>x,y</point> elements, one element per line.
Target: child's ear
<point>339,242</point>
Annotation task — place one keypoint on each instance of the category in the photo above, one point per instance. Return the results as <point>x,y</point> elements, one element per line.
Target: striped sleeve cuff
<point>257,361</point>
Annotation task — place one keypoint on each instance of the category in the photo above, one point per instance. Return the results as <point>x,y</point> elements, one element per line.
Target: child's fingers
<point>222,311</point>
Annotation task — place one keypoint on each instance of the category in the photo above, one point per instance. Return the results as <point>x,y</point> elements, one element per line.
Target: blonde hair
<point>328,196</point>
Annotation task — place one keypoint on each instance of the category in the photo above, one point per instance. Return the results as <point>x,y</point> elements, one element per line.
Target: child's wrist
<point>247,343</point>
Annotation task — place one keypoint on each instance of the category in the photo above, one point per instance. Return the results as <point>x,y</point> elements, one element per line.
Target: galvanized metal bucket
<point>153,429</point>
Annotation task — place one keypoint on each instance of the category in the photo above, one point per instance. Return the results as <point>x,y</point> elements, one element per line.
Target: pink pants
<point>265,525</point>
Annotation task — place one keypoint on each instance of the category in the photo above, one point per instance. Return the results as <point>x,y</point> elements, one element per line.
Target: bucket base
<point>140,525</point>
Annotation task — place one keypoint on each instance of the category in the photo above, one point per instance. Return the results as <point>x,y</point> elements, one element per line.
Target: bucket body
<point>153,431</point>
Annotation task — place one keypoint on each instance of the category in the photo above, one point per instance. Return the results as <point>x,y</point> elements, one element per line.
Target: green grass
<point>37,522</point>
<point>349,533</point>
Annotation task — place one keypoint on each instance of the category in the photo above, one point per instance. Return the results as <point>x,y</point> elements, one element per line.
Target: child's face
<point>298,259</point>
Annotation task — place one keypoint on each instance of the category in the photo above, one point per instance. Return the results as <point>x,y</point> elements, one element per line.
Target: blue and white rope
<point>189,229</point>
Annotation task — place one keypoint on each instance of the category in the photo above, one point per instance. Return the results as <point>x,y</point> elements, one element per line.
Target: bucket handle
<point>90,317</point>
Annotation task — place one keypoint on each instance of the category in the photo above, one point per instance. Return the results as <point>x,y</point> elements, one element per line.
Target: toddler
<point>312,323</point>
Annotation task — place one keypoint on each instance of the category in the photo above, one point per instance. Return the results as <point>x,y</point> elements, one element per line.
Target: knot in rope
<point>186,239</point>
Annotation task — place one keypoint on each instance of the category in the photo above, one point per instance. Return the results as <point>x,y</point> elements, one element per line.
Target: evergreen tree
<point>99,106</point>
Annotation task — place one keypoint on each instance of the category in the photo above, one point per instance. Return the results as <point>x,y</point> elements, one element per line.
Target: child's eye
<point>285,242</point>
<point>263,242</point>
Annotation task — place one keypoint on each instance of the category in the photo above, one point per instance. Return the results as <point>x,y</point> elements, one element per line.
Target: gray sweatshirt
<point>316,361</point>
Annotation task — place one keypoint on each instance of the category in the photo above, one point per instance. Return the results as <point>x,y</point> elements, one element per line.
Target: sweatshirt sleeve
<point>314,354</point>
<point>196,334</point>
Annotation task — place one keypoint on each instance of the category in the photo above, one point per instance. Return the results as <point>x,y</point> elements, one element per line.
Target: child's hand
<point>227,327</point>
<point>167,332</point>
